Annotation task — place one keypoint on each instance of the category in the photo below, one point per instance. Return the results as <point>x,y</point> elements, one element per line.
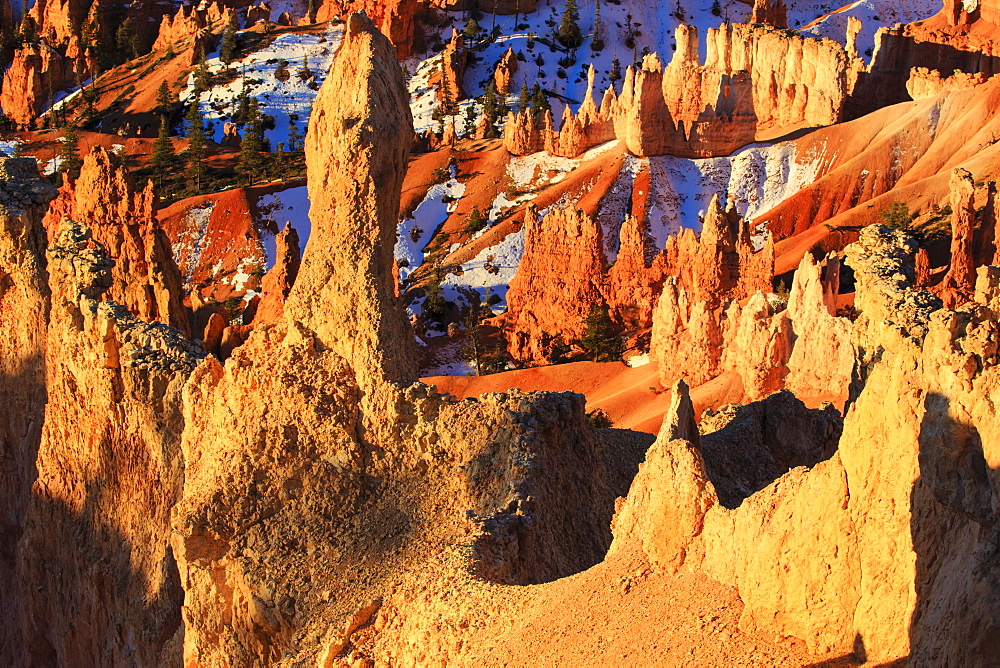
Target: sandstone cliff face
<point>122,217</point>
<point>109,469</point>
<point>904,550</point>
<point>278,281</point>
<point>565,272</point>
<point>26,82</point>
<point>348,298</point>
<point>25,304</point>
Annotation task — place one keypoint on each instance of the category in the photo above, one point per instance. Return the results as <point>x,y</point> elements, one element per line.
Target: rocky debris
<point>122,217</point>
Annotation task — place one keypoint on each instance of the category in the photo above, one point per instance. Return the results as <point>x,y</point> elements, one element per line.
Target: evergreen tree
<point>163,151</point>
<point>164,105</point>
<point>127,41</point>
<point>597,41</point>
<point>311,11</point>
<point>202,76</point>
<point>490,103</point>
<point>599,338</point>
<point>569,34</point>
<point>294,136</point>
<point>616,71</point>
<point>230,44</point>
<point>252,144</point>
<point>531,40</point>
<point>539,101</point>
<point>69,153</point>
<point>524,99</point>
<point>472,28</point>
<point>195,154</point>
<point>470,119</point>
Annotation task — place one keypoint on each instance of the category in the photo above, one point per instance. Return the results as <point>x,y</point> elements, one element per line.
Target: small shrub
<point>897,216</point>
<point>599,419</point>
<point>476,221</point>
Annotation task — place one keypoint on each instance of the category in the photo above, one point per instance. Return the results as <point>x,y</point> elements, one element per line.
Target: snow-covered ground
<point>258,73</point>
<point>873,14</point>
<point>652,24</point>
<point>192,240</point>
<point>489,273</point>
<point>276,209</point>
<point>414,233</point>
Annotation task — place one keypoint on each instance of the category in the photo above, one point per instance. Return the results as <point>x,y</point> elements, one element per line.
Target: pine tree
<point>311,11</point>
<point>525,98</point>
<point>294,136</point>
<point>230,45</point>
<point>195,154</point>
<point>127,41</point>
<point>69,153</point>
<point>569,34</point>
<point>202,76</point>
<point>472,28</point>
<point>616,71</point>
<point>252,144</point>
<point>599,338</point>
<point>492,108</point>
<point>539,101</point>
<point>164,105</point>
<point>470,119</point>
<point>597,41</point>
<point>163,151</point>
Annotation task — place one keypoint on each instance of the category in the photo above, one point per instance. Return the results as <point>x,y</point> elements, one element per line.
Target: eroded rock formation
<point>756,79</point>
<point>904,550</point>
<point>122,217</point>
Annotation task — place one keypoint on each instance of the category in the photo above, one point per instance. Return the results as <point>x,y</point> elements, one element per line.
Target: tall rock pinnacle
<point>356,157</point>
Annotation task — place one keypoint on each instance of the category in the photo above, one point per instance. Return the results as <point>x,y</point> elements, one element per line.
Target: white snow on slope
<point>414,233</point>
<point>276,209</point>
<point>503,258</point>
<point>279,99</point>
<point>873,15</point>
<point>192,241</point>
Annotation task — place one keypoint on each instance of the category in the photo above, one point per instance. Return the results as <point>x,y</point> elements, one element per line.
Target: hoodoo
<point>360,334</point>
